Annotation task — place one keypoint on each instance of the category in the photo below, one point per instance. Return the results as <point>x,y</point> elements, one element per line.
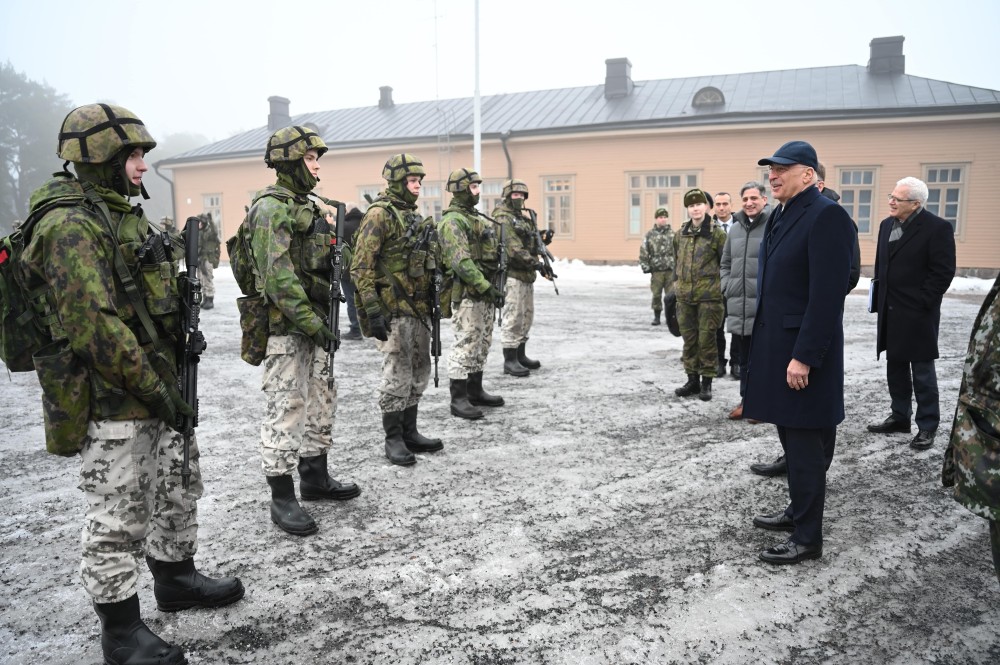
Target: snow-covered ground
<point>595,518</point>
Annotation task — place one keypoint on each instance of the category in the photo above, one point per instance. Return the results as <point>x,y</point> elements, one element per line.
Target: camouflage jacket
<point>393,237</point>
<point>697,257</point>
<point>469,246</point>
<point>209,245</point>
<point>972,460</point>
<point>291,250</point>
<point>71,252</point>
<point>522,242</point>
<point>656,253</point>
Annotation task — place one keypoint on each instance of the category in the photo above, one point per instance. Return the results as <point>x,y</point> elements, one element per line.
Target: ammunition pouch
<point>253,324</point>
<point>65,382</point>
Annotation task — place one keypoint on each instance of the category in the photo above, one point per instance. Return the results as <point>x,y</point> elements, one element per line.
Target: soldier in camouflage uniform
<point>290,247</point>
<point>131,457</point>
<point>698,286</point>
<point>972,460</point>
<point>656,258</point>
<point>393,265</point>
<point>469,245</point>
<point>209,248</point>
<point>523,252</point>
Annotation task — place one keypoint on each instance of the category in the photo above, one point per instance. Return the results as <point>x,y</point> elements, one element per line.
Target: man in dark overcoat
<point>914,266</point>
<point>795,377</point>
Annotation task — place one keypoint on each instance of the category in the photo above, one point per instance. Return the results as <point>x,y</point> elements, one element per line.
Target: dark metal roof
<point>792,94</point>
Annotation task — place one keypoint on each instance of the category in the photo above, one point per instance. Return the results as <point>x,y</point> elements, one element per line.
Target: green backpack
<point>22,331</point>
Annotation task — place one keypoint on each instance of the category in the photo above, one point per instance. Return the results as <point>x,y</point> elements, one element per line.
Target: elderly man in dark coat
<point>914,265</point>
<point>795,378</point>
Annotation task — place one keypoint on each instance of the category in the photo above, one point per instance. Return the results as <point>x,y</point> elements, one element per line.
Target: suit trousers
<point>922,386</point>
<point>809,453</point>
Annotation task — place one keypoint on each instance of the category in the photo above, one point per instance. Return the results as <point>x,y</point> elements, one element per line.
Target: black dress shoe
<point>890,425</point>
<point>923,440</point>
<point>791,552</point>
<point>778,467</point>
<point>776,522</point>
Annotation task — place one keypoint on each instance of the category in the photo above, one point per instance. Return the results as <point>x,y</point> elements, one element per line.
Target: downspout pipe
<point>503,143</point>
<point>173,199</point>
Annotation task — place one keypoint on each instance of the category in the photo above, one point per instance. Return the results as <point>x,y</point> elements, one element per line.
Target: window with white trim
<point>945,184</point>
<point>649,191</point>
<point>558,210</point>
<point>857,195</point>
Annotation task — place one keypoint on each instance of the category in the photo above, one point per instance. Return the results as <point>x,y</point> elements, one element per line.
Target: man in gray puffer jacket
<point>739,275</point>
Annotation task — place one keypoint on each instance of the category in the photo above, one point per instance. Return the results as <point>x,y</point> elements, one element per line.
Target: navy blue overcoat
<point>802,278</point>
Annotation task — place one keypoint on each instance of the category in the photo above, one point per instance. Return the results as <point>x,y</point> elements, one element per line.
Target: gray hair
<point>753,184</point>
<point>916,187</point>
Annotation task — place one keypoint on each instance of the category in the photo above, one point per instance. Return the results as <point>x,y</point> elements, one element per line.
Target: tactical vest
<point>483,241</point>
<point>406,262</point>
<point>150,257</point>
<point>308,250</point>
<point>520,225</point>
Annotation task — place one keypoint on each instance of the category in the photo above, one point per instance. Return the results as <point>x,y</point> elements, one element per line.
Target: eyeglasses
<point>896,199</point>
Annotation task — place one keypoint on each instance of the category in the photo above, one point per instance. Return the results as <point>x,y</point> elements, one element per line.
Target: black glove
<point>167,403</point>
<point>547,236</point>
<point>379,327</point>
<point>492,295</point>
<point>326,339</point>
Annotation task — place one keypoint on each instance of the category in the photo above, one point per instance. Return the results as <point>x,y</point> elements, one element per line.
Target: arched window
<point>708,97</point>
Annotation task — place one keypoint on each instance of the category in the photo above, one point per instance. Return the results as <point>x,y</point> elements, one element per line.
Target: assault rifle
<point>336,297</point>
<point>192,342</point>
<point>436,284</point>
<point>547,257</point>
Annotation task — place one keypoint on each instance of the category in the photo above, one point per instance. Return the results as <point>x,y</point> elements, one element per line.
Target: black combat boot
<point>178,586</point>
<point>692,387</point>
<point>460,405</point>
<point>478,396</point>
<point>125,639</point>
<point>285,509</point>
<point>525,360</point>
<point>395,447</point>
<point>208,302</point>
<point>706,389</point>
<point>414,440</point>
<point>656,318</point>
<point>317,484</point>
<point>511,365</point>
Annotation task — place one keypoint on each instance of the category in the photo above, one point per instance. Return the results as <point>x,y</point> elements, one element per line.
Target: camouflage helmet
<point>399,166</point>
<point>514,185</point>
<point>95,133</point>
<point>291,143</point>
<point>460,179</point>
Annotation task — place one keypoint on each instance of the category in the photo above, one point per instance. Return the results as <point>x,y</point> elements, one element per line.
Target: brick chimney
<point>385,97</point>
<point>887,55</point>
<point>618,80</point>
<point>279,116</point>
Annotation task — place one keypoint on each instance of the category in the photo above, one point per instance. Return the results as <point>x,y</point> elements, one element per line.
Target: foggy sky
<point>209,67</point>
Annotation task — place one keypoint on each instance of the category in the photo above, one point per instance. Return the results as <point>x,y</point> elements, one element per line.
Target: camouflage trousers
<point>472,323</point>
<point>406,367</point>
<point>518,313</point>
<point>130,477</point>
<point>298,420</point>
<point>206,273</point>
<point>698,322</point>
<point>661,282</point>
